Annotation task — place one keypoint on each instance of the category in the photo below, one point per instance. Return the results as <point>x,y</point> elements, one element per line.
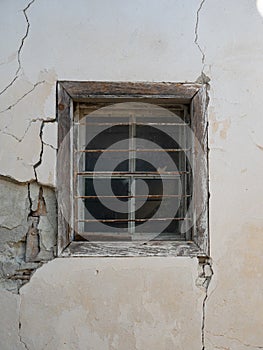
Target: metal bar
<point>143,109</point>
<point>76,180</point>
<point>146,174</point>
<point>127,124</point>
<point>132,169</point>
<point>138,196</point>
<point>136,220</point>
<point>135,150</point>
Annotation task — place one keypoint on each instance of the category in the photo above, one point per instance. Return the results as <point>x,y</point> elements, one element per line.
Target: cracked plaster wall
<point>155,303</point>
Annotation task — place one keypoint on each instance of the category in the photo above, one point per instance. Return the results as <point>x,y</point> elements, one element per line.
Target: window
<point>132,169</point>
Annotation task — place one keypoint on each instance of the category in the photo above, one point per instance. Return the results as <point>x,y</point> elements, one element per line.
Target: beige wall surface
<point>132,303</point>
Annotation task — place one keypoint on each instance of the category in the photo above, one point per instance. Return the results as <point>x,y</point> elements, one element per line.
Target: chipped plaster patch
<point>24,207</point>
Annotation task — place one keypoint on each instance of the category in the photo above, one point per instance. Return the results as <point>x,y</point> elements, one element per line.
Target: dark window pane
<point>106,208</point>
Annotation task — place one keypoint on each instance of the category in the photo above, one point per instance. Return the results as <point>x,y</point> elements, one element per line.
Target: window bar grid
<point>132,174</point>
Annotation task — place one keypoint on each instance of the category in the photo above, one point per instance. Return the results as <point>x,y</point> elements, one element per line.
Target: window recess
<point>132,169</point>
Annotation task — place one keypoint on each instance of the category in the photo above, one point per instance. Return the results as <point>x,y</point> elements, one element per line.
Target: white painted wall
<point>145,303</point>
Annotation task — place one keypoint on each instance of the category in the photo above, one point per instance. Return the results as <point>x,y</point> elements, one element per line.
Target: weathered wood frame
<point>192,93</point>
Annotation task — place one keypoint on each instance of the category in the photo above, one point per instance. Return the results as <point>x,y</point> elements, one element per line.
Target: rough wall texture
<point>28,228</point>
<point>131,303</point>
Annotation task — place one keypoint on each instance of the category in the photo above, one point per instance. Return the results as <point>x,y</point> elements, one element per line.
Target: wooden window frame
<point>194,94</point>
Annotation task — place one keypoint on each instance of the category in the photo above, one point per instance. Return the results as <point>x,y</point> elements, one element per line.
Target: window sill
<point>133,249</point>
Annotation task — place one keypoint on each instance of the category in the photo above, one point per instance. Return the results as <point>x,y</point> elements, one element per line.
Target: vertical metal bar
<point>132,165</point>
<point>72,174</point>
<point>189,175</point>
<point>181,159</point>
<point>79,164</point>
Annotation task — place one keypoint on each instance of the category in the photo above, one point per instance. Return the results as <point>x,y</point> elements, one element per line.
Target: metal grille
<point>132,178</point>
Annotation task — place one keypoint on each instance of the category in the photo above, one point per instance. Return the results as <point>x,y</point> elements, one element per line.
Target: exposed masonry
<point>28,230</point>
<point>203,280</point>
<point>20,48</point>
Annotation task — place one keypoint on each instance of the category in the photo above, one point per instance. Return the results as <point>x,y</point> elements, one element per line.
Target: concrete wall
<point>143,303</point>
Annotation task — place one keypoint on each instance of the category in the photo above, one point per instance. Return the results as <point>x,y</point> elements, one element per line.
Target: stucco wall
<point>142,303</point>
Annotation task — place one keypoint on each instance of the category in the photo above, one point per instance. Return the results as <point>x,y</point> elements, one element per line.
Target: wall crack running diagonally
<point>20,48</point>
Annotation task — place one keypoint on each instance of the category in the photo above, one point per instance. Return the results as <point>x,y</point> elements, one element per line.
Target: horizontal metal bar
<point>101,237</point>
<point>127,124</point>
<point>138,107</point>
<point>134,150</point>
<point>116,235</point>
<point>135,220</point>
<point>138,196</point>
<point>145,174</point>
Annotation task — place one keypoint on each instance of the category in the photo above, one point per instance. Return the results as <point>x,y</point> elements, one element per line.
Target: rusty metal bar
<point>135,150</point>
<point>146,174</point>
<point>137,123</point>
<point>136,220</point>
<point>138,196</point>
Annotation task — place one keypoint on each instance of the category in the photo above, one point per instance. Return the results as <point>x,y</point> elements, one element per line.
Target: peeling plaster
<point>25,208</point>
<point>20,48</point>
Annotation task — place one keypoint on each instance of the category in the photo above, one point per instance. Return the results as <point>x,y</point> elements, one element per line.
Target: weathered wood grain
<point>63,167</point>
<point>200,171</point>
<point>129,249</point>
<point>95,92</point>
<point>81,90</point>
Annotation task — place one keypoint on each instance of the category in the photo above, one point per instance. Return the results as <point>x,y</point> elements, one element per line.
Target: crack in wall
<point>196,41</point>
<point>47,144</point>
<point>22,97</point>
<point>39,162</point>
<point>35,166</point>
<point>20,48</point>
<point>27,128</point>
<point>19,326</point>
<point>234,340</point>
<point>205,274</point>
<point>23,136</point>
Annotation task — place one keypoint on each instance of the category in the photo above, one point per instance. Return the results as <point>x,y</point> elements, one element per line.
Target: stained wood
<point>63,167</point>
<point>81,90</point>
<point>132,249</point>
<point>200,171</point>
